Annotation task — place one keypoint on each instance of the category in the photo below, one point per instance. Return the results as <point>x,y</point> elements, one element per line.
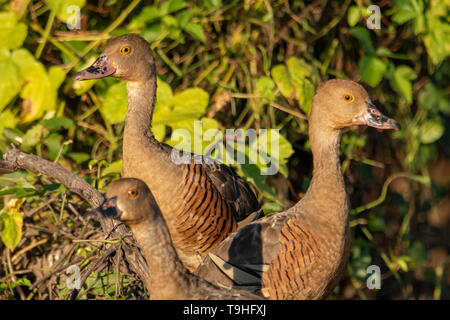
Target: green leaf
<point>12,32</point>
<point>371,70</point>
<point>401,81</point>
<point>188,104</point>
<point>61,7</point>
<point>40,90</point>
<point>281,77</point>
<point>196,30</point>
<point>353,15</point>
<point>79,157</point>
<point>363,35</point>
<point>11,223</point>
<point>146,15</point>
<point>32,137</point>
<point>184,17</point>
<point>114,167</point>
<point>58,123</point>
<point>270,151</point>
<point>10,78</point>
<point>431,131</point>
<point>53,143</point>
<point>114,107</point>
<point>7,120</point>
<point>265,87</point>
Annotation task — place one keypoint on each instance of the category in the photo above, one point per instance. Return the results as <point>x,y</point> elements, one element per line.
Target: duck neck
<point>167,273</point>
<point>141,103</point>
<point>326,194</point>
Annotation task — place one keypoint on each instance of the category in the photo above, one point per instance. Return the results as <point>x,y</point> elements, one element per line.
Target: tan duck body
<point>301,253</point>
<point>129,200</point>
<point>201,202</point>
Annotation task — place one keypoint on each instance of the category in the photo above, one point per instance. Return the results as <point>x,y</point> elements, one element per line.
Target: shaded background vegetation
<point>232,64</point>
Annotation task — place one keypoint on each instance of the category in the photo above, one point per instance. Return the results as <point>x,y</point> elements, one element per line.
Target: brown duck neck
<point>168,275</point>
<point>326,198</point>
<point>141,103</point>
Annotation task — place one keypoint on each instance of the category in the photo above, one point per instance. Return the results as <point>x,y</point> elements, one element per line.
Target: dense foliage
<point>231,64</point>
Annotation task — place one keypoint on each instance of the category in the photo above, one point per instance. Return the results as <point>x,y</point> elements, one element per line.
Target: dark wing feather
<point>251,248</point>
<point>233,189</point>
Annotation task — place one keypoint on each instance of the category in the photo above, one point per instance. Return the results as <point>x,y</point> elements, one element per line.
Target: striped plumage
<point>301,253</point>
<point>202,201</point>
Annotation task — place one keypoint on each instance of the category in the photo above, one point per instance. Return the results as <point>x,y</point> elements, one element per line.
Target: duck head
<point>128,200</point>
<point>127,57</point>
<point>344,103</point>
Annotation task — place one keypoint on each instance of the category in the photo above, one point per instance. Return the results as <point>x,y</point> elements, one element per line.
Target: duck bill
<point>107,210</point>
<point>99,69</point>
<point>372,117</point>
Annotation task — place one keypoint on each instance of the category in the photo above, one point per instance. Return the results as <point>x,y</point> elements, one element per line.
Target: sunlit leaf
<point>401,81</point>
<point>12,32</point>
<point>363,35</point>
<point>10,78</point>
<point>12,221</point>
<point>196,30</point>
<point>114,107</point>
<point>430,131</point>
<point>62,7</point>
<point>353,15</point>
<point>265,87</point>
<point>371,70</point>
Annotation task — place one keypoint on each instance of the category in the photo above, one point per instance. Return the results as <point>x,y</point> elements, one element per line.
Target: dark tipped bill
<point>107,210</point>
<point>99,69</point>
<point>374,118</point>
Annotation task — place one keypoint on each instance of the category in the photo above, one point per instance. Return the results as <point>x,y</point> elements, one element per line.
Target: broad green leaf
<point>190,135</point>
<point>363,35</point>
<point>184,17</point>
<point>32,137</point>
<point>402,81</point>
<point>371,70</point>
<point>58,123</point>
<point>12,221</point>
<point>145,16</point>
<point>12,32</point>
<point>79,157</point>
<point>40,91</point>
<point>188,104</point>
<point>270,151</point>
<point>353,15</point>
<point>114,167</point>
<point>53,143</point>
<point>7,120</point>
<point>196,30</point>
<point>265,87</point>
<point>62,7</point>
<point>431,131</point>
<point>171,6</point>
<point>10,78</point>
<point>281,77</point>
<point>163,94</point>
<point>114,106</point>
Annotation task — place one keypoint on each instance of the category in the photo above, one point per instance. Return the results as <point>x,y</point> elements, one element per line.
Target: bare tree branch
<point>14,159</point>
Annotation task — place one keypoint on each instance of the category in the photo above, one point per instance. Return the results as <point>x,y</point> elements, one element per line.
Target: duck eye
<point>125,50</point>
<point>132,193</point>
<point>348,97</point>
